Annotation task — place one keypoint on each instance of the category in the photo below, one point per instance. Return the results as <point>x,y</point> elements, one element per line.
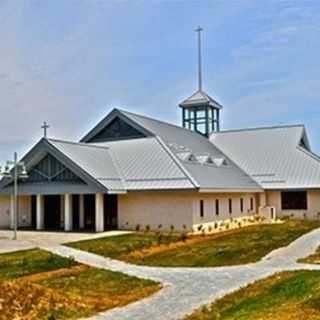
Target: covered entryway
<point>52,212</point>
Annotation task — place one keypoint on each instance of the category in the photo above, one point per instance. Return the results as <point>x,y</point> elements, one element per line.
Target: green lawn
<point>235,247</point>
<point>284,296</point>
<point>23,263</point>
<point>36,284</point>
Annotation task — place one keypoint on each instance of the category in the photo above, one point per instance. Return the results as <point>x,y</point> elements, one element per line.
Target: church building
<point>135,172</point>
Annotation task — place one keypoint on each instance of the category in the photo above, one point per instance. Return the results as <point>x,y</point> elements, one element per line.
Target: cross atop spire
<point>199,30</point>
<point>45,128</point>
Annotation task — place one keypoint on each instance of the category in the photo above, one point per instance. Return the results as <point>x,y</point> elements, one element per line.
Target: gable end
<point>117,129</point>
<point>116,126</point>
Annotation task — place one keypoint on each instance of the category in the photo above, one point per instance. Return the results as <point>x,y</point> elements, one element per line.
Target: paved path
<point>36,238</point>
<point>188,288</point>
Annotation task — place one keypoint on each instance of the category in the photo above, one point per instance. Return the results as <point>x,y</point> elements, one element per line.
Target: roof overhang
<point>207,190</point>
<point>36,154</point>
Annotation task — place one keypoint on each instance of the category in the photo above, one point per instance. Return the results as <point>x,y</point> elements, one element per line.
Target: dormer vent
<point>219,162</point>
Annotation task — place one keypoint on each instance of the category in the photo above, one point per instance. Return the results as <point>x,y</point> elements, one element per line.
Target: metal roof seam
<point>257,128</point>
<point>81,169</point>
<point>118,168</point>
<point>177,162</point>
<point>80,144</point>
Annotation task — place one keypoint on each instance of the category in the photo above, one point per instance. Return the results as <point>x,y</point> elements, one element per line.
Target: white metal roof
<point>208,176</point>
<point>275,157</point>
<point>200,98</point>
<point>144,164</point>
<point>94,160</point>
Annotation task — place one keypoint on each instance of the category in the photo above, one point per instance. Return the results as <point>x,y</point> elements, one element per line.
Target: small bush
<point>200,227</point>
<point>138,227</point>
<point>184,227</point>
<point>159,238</point>
<point>184,236</point>
<point>160,226</point>
<point>172,228</point>
<point>147,228</point>
<point>239,224</point>
<point>216,225</point>
<point>203,232</point>
<point>210,228</point>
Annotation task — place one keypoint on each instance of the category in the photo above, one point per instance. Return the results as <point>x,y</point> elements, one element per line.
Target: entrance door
<point>75,212</point>
<point>89,211</point>
<point>33,212</point>
<point>52,212</point>
<point>110,211</point>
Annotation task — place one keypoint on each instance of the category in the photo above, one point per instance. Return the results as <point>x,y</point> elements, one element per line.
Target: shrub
<point>147,228</point>
<point>160,226</point>
<point>200,227</point>
<point>203,232</point>
<point>216,225</point>
<point>184,227</point>
<point>159,238</point>
<point>184,236</point>
<point>138,227</point>
<point>239,224</point>
<point>172,228</point>
<point>210,228</point>
<point>227,226</point>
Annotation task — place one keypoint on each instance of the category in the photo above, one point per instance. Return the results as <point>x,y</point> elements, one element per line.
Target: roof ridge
<point>261,128</point>
<point>82,144</point>
<point>309,153</point>
<point>163,122</point>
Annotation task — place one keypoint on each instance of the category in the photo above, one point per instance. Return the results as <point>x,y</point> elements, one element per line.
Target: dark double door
<point>52,212</point>
<point>110,211</point>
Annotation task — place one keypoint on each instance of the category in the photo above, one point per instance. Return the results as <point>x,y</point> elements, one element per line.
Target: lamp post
<point>14,170</point>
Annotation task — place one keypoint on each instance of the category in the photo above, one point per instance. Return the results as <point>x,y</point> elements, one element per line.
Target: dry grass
<point>38,285</point>
<point>233,247</point>
<point>284,296</point>
<point>313,259</point>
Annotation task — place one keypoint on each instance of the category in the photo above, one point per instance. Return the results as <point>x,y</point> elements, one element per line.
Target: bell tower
<point>200,112</point>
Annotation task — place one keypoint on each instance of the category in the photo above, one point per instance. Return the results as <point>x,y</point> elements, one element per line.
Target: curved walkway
<point>186,289</point>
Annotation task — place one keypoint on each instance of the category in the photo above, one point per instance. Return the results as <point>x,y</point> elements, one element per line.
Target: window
<point>241,205</point>
<point>201,208</point>
<point>294,200</point>
<point>230,206</point>
<point>251,204</point>
<point>217,208</point>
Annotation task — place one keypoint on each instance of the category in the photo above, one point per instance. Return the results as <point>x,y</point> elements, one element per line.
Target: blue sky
<point>71,61</point>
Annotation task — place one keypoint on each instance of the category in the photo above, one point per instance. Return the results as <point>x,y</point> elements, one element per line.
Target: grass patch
<point>22,263</point>
<point>36,284</point>
<point>284,296</point>
<point>313,258</point>
<point>233,247</point>
<point>120,246</point>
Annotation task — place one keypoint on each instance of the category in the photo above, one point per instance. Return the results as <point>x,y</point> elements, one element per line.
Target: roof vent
<point>219,162</point>
<point>187,156</point>
<point>205,159</point>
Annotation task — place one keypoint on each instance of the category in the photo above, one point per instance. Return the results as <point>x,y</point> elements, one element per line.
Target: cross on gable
<point>45,128</point>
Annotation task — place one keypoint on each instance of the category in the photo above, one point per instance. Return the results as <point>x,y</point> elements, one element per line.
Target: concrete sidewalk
<point>186,289</point>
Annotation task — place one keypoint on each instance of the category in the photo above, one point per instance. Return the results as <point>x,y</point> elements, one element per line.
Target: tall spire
<point>199,30</point>
<point>200,112</point>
